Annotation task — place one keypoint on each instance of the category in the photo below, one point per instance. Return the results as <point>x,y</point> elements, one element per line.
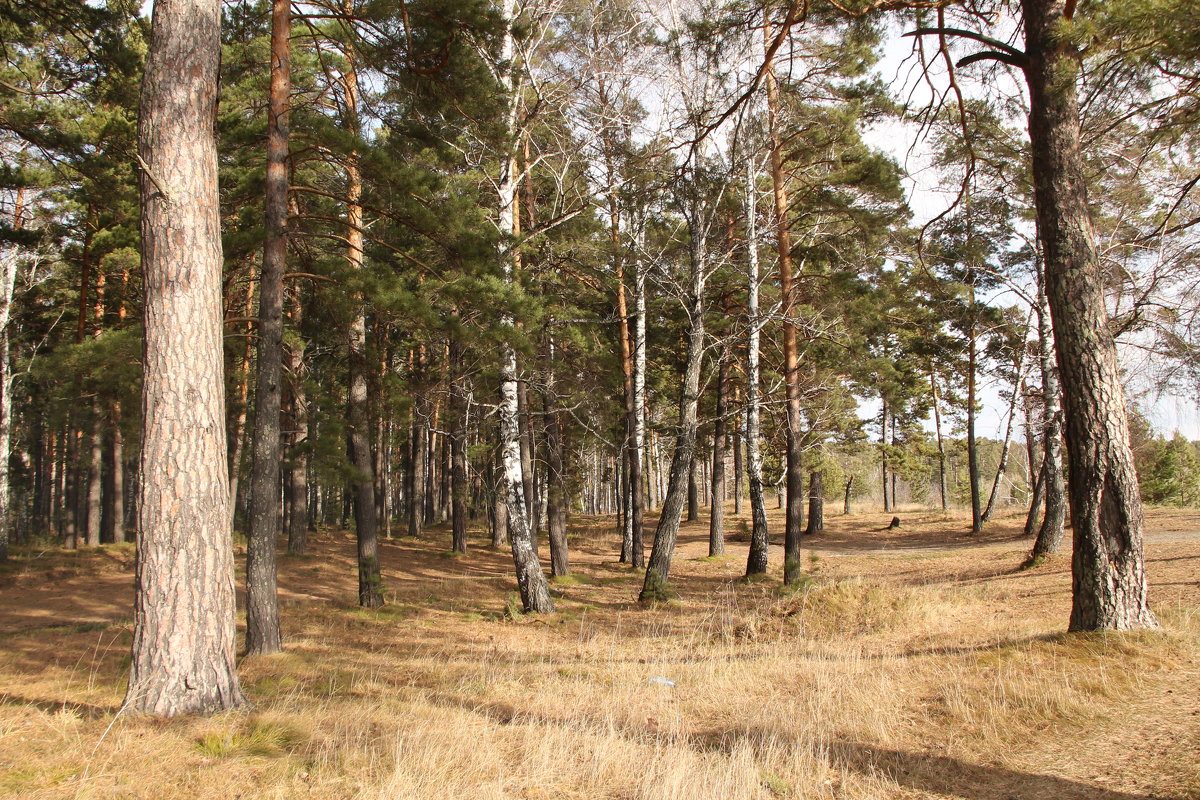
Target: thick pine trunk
<point>1108,572</point>
<point>266,512</point>
<point>182,658</point>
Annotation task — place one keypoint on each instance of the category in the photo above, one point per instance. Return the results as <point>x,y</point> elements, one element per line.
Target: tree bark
<point>941,444</point>
<point>716,516</point>
<point>556,476</point>
<point>794,519</point>
<point>358,412</point>
<point>756,562</point>
<point>298,457</point>
<point>531,581</point>
<point>263,636</point>
<point>1050,532</point>
<point>816,503</point>
<point>1108,574</point>
<point>884,450</point>
<point>658,570</point>
<point>182,658</point>
<point>458,450</point>
<point>972,404</point>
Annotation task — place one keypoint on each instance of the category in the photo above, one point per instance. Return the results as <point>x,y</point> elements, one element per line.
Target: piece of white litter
<point>659,680</point>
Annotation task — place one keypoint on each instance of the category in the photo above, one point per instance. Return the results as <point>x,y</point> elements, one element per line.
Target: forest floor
<point>914,663</point>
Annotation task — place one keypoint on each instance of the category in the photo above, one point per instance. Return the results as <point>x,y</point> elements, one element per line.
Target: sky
<point>1167,411</point>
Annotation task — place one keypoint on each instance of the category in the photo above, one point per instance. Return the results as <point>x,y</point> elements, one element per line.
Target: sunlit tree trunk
<point>362,483</point>
<point>658,569</point>
<point>1108,571</point>
<point>716,518</point>
<point>794,519</point>
<point>531,581</point>
<point>182,658</point>
<point>1050,532</point>
<point>756,563</point>
<point>266,511</point>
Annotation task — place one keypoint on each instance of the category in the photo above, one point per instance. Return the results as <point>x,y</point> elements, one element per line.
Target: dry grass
<point>912,663</point>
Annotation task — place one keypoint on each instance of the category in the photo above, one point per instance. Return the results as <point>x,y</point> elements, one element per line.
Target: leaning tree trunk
<point>182,659</point>
<point>1002,467</point>
<point>1108,573</point>
<point>756,562</point>
<point>262,598</point>
<point>658,569</point>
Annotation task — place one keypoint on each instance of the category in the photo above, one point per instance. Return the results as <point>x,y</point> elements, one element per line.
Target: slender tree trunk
<point>531,581</point>
<point>298,458</point>
<point>116,466</point>
<point>941,444</point>
<point>716,517</point>
<point>556,475</point>
<point>182,659</point>
<point>659,567</point>
<point>8,282</point>
<point>1050,533</point>
<point>756,563</point>
<point>739,469</point>
<point>846,496</point>
<point>263,636</point>
<point>637,456</point>
<point>528,479</point>
<point>95,478</point>
<point>358,412</point>
<point>884,450</point>
<point>418,446</point>
<point>238,435</point>
<point>972,405</point>
<point>693,489</point>
<point>1002,467</point>
<point>458,450</point>
<point>499,516</point>
<point>791,357</point>
<point>1109,580</point>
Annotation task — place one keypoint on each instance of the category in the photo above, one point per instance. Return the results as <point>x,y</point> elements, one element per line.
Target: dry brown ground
<point>917,663</point>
